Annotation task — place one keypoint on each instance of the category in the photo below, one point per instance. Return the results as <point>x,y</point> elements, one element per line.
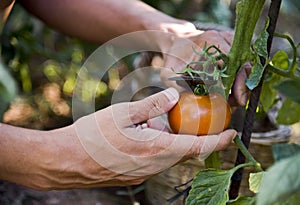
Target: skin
<point>56,159</point>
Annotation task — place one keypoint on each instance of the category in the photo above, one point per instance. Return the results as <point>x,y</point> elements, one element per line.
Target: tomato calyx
<point>208,63</point>
<point>200,89</point>
<point>204,75</point>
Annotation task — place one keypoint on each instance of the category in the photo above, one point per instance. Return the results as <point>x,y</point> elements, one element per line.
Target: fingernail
<point>172,94</point>
<point>144,125</point>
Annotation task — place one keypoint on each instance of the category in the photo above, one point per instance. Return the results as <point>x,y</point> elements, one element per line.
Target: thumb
<point>152,106</point>
<point>240,90</point>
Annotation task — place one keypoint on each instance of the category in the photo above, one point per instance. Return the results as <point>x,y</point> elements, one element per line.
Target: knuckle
<point>156,105</point>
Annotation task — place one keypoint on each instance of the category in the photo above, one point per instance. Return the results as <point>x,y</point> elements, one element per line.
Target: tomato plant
<point>269,80</point>
<point>199,114</point>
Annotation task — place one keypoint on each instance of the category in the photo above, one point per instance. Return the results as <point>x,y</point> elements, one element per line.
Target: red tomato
<point>199,115</point>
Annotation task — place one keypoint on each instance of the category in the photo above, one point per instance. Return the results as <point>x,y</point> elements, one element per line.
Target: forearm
<point>5,8</point>
<point>21,151</point>
<point>41,160</point>
<point>47,160</point>
<point>101,20</point>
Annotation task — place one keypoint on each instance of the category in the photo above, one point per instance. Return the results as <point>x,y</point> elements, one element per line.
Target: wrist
<point>56,155</point>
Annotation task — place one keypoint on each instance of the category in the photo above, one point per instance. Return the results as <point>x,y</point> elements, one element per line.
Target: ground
<point>12,194</point>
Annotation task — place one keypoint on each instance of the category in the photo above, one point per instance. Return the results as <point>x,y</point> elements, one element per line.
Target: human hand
<point>178,52</point>
<point>118,147</point>
<point>240,92</point>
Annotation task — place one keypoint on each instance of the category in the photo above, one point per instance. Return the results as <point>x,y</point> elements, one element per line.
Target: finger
<point>156,151</point>
<point>216,38</point>
<point>205,145</point>
<point>157,123</point>
<point>150,107</point>
<point>227,36</point>
<point>240,90</point>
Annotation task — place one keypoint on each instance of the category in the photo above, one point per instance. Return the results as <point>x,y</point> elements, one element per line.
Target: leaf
<point>289,113</point>
<point>242,200</point>
<point>282,151</point>
<point>281,183</point>
<point>213,160</point>
<point>260,50</point>
<point>281,60</point>
<point>260,45</point>
<point>255,75</point>
<point>8,88</point>
<point>290,88</point>
<point>255,180</point>
<point>268,93</point>
<point>210,187</point>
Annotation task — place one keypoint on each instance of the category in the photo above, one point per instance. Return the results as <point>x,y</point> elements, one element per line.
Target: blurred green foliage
<point>34,55</point>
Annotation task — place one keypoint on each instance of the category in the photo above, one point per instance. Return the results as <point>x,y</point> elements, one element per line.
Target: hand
<point>114,147</point>
<point>179,53</point>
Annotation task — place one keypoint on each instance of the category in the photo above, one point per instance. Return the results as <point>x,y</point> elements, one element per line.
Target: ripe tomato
<point>199,115</point>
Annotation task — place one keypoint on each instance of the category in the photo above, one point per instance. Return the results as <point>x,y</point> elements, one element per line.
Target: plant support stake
<point>253,102</point>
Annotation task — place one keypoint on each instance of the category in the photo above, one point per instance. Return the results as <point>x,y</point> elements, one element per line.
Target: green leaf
<point>289,113</point>
<point>242,200</point>
<point>213,161</point>
<point>210,187</point>
<point>281,183</point>
<point>260,45</point>
<point>282,151</point>
<point>255,75</point>
<point>260,50</point>
<point>281,60</point>
<point>8,88</point>
<point>268,93</point>
<point>255,180</point>
<point>290,88</point>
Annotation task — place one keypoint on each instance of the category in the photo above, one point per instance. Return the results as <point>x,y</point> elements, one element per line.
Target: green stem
<point>290,72</point>
<point>249,164</point>
<point>248,12</point>
<point>246,153</point>
<point>294,47</point>
<point>285,73</point>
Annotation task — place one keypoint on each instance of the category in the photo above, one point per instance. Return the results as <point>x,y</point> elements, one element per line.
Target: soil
<point>12,194</point>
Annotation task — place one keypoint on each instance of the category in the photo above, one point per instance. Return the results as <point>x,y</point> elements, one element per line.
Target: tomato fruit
<point>199,115</point>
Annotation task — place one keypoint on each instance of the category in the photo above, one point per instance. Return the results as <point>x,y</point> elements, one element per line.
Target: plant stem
<point>246,153</point>
<point>249,164</point>
<point>290,72</point>
<point>248,12</point>
<point>253,102</point>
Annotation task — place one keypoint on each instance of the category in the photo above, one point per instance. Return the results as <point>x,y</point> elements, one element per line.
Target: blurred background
<point>38,72</point>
